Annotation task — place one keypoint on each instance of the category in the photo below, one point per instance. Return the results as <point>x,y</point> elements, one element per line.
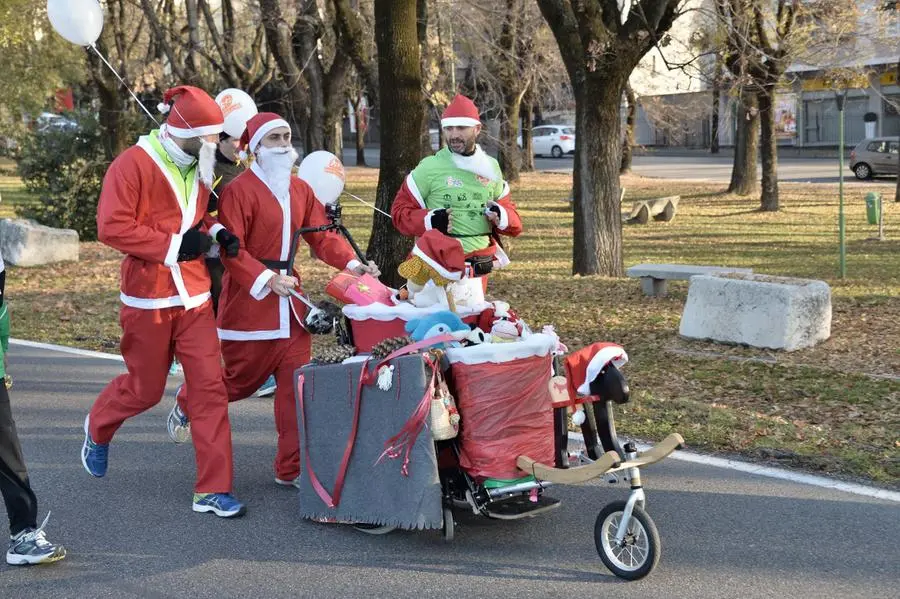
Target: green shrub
<point>63,166</point>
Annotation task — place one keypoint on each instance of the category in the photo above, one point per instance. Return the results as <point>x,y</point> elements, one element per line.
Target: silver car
<point>876,156</point>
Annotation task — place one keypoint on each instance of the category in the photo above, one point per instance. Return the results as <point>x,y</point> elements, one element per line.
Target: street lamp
<point>840,96</point>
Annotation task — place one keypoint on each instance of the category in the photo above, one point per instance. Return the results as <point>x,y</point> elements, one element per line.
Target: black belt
<point>276,264</point>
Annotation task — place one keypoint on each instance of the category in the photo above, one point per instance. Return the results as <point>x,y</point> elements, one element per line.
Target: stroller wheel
<point>374,529</point>
<point>449,525</point>
<point>639,551</point>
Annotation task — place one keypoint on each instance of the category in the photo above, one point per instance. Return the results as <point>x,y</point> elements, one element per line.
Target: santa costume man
<point>152,208</point>
<point>260,322</point>
<point>460,192</point>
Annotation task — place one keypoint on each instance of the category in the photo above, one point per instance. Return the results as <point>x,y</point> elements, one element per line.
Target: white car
<point>555,140</point>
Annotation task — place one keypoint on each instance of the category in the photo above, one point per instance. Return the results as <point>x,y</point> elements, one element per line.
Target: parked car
<point>47,121</point>
<point>554,140</point>
<point>875,156</point>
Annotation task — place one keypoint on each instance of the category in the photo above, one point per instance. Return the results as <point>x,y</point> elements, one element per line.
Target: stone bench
<point>27,243</point>
<point>660,209</point>
<point>758,310</point>
<point>654,276</point>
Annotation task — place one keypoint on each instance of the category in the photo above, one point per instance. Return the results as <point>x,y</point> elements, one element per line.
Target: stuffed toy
<point>436,261</point>
<point>505,325</point>
<point>438,323</point>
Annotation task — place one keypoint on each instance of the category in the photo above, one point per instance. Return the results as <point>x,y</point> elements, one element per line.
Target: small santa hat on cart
<point>583,366</point>
<point>257,128</point>
<point>442,254</point>
<point>191,112</point>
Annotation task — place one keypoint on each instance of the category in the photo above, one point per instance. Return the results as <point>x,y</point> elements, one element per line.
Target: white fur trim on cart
<point>538,344</point>
<point>612,353</point>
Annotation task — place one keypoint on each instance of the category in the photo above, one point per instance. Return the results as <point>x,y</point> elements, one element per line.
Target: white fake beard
<point>277,163</point>
<point>206,164</point>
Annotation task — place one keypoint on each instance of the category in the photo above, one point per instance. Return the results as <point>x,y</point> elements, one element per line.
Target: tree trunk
<point>359,116</point>
<point>115,139</point>
<point>716,95</point>
<point>597,240</point>
<point>304,41</point>
<point>629,130</point>
<point>527,150</point>
<point>743,173</point>
<point>509,149</point>
<point>768,150</point>
<point>400,99</point>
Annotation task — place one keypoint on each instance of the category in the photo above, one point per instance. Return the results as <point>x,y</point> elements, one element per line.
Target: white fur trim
<point>264,130</point>
<point>214,230</point>
<point>353,264</point>
<point>230,335</point>
<point>538,344</point>
<point>158,303</point>
<point>259,289</point>
<point>172,254</point>
<point>500,257</point>
<point>459,121</point>
<point>478,163</point>
<point>453,276</point>
<point>612,353</point>
<point>504,217</point>
<point>193,131</point>
<point>414,190</point>
<point>402,311</point>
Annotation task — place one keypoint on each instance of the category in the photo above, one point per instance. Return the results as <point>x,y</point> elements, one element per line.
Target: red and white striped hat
<point>461,112</point>
<point>191,112</point>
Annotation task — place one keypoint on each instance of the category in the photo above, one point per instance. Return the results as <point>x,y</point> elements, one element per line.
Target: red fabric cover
<point>506,412</point>
<point>369,333</point>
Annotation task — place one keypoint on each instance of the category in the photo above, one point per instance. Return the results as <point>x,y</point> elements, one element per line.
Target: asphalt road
<point>132,534</point>
<point>701,167</point>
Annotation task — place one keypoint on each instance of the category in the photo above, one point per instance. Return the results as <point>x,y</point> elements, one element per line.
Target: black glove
<point>495,210</point>
<point>194,243</point>
<point>229,242</point>
<point>440,220</point>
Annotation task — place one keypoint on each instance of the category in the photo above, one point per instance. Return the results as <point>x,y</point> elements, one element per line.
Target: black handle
<point>295,241</point>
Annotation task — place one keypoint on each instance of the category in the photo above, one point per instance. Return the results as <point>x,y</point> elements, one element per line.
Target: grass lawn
<point>832,408</point>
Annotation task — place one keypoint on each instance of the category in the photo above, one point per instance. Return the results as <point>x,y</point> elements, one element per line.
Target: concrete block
<point>27,243</point>
<point>758,310</point>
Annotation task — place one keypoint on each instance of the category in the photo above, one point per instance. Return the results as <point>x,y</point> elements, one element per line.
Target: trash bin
<point>873,207</point>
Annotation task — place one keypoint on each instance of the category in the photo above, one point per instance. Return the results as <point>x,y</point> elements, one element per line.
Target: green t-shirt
<point>442,184</point>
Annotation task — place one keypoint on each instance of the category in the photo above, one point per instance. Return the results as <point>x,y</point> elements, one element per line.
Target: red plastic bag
<point>506,412</point>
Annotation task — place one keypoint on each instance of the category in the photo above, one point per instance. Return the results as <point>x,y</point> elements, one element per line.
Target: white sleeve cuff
<point>214,230</point>
<point>171,258</point>
<point>504,217</point>
<point>428,216</point>
<point>259,290</point>
<point>352,264</point>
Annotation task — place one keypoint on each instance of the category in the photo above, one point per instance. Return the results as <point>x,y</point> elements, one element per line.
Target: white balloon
<point>238,108</point>
<point>79,21</point>
<point>325,174</point>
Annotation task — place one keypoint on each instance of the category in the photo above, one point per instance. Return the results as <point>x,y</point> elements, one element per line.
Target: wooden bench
<point>654,276</point>
<point>660,209</point>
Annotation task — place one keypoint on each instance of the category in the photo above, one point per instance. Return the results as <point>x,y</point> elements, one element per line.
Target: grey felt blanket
<point>376,493</point>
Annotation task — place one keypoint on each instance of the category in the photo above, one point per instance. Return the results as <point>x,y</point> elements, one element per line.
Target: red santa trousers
<point>149,340</point>
<point>247,365</point>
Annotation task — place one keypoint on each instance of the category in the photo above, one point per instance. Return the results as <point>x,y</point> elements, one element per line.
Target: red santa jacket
<point>248,310</point>
<point>143,212</point>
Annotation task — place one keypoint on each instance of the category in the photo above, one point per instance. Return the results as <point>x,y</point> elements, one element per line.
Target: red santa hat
<point>443,254</point>
<point>583,366</point>
<point>461,112</point>
<point>191,112</point>
<point>258,127</point>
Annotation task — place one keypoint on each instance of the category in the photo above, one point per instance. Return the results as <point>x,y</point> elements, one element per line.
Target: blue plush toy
<point>438,323</point>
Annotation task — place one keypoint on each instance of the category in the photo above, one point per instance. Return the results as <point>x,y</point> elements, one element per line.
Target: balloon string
<point>111,68</point>
<point>372,206</point>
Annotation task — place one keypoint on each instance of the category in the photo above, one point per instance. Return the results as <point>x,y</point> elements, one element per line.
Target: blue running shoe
<point>223,505</point>
<point>268,388</point>
<point>175,368</point>
<point>94,456</point>
<point>177,423</point>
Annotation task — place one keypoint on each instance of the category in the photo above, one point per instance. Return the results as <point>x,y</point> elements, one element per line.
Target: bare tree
<point>400,95</point>
<point>600,47</point>
<point>628,144</point>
